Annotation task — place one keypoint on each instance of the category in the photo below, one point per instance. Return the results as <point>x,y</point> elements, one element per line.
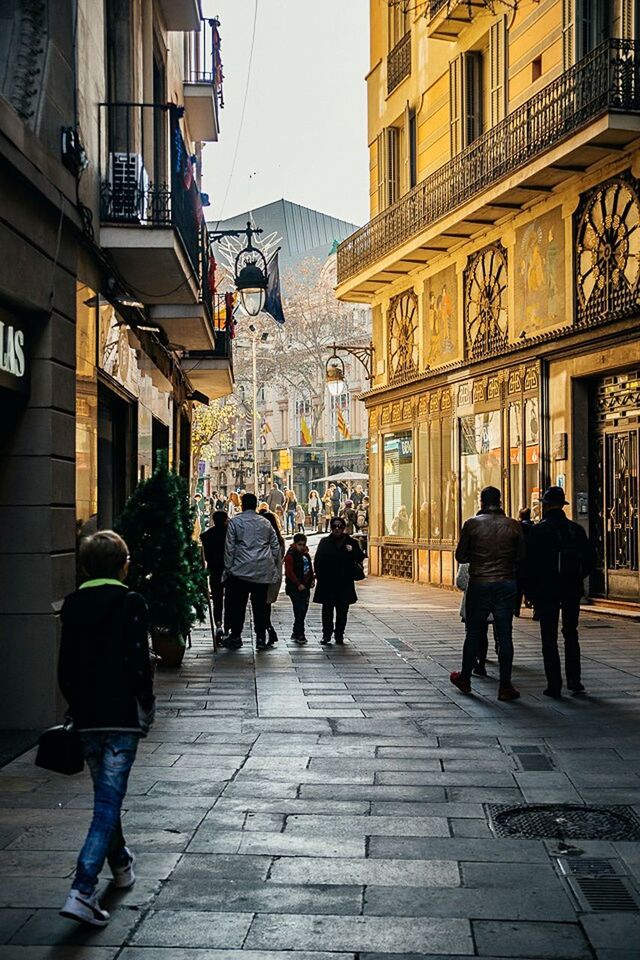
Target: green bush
<point>166,563</point>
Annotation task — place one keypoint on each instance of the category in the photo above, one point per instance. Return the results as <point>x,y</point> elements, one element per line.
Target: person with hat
<point>559,557</point>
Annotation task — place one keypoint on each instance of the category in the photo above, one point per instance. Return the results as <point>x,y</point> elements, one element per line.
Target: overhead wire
<point>242,111</point>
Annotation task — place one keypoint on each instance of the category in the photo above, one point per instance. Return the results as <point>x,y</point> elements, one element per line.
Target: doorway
<point>616,484</point>
<point>116,454</point>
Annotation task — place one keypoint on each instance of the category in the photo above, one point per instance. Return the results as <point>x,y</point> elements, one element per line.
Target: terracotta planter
<point>169,648</point>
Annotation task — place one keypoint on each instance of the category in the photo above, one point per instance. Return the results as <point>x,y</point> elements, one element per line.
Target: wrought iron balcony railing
<point>150,176</point>
<point>435,6</point>
<point>606,80</point>
<point>203,61</point>
<point>399,62</point>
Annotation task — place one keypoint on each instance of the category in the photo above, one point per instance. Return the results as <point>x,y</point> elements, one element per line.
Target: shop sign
<point>14,372</point>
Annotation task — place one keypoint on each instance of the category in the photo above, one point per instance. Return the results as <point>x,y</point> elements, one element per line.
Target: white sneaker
<point>124,877</point>
<point>85,909</point>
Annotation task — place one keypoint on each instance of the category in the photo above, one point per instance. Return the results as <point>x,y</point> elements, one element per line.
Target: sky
<point>304,133</point>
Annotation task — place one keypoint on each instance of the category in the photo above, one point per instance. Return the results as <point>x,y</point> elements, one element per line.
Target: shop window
<point>532,449</point>
<point>398,484</point>
<point>515,457</point>
<point>448,488</point>
<point>117,454</point>
<point>435,482</point>
<point>374,466</point>
<point>86,405</point>
<point>423,481</point>
<point>480,458</point>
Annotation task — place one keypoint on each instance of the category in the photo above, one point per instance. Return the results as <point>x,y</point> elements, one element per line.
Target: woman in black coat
<point>335,568</point>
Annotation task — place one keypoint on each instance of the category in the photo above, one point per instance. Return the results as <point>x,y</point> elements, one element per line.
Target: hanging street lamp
<point>251,277</point>
<point>335,366</point>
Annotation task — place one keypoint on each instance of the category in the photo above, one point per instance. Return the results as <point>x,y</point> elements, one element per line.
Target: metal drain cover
<point>599,884</point>
<point>563,821</point>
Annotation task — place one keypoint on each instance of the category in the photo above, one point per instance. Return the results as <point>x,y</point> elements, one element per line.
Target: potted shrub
<point>166,563</point>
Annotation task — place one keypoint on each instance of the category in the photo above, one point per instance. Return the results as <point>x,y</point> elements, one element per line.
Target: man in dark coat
<point>493,546</point>
<point>335,569</point>
<point>559,557</point>
<point>213,542</point>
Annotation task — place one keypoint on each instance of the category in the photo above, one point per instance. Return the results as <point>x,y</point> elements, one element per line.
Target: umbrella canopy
<point>343,477</point>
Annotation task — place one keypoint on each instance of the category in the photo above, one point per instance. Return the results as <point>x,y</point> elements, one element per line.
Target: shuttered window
<point>498,71</point>
<point>568,33</point>
<point>472,96</point>
<point>388,167</point>
<point>381,164</point>
<point>455,104</point>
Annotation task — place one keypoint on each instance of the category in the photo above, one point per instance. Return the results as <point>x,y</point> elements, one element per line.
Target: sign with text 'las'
<point>14,371</point>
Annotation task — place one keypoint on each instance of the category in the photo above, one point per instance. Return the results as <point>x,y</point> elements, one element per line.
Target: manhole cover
<point>564,821</point>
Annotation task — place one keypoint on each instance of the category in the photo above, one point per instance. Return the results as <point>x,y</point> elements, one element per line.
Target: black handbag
<point>60,750</point>
<point>358,571</point>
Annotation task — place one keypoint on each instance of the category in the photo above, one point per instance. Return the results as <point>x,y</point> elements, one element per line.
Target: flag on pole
<point>343,429</point>
<point>305,433</point>
<point>273,297</point>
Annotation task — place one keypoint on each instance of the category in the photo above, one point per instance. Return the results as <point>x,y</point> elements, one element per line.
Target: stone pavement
<point>328,804</point>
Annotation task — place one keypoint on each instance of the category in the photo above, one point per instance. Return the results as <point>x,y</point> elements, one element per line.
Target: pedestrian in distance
<point>290,506</point>
<point>274,588</point>
<point>559,557</point>
<point>336,499</point>
<point>233,505</point>
<point>299,581</point>
<point>275,497</point>
<point>313,509</point>
<point>349,515</point>
<point>213,542</point>
<point>301,518</point>
<point>105,675</point>
<point>338,564</point>
<point>252,558</point>
<point>327,507</point>
<point>493,546</point>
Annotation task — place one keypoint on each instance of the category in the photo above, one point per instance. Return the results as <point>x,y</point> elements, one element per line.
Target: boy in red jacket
<point>299,580</point>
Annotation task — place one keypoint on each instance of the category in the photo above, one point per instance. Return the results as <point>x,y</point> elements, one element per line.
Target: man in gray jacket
<point>251,557</point>
<point>275,497</point>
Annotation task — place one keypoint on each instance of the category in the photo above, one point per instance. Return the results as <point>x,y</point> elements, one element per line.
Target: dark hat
<point>554,497</point>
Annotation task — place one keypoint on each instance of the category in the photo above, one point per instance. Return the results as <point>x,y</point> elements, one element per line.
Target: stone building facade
<point>502,264</point>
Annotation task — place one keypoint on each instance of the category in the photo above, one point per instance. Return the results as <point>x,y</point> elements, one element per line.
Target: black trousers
<point>550,611</point>
<point>237,594</point>
<point>342,610</point>
<point>217,598</point>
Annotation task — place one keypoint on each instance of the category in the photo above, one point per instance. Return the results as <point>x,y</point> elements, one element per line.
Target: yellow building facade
<point>502,263</point>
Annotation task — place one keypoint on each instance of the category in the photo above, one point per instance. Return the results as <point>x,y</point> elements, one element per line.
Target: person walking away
<point>336,499</point>
<point>493,546</point>
<point>299,581</point>
<point>335,565</point>
<point>233,505</point>
<point>349,516</point>
<point>274,588</point>
<point>251,562</point>
<point>300,518</point>
<point>559,557</point>
<point>462,583</point>
<point>213,542</point>
<point>275,497</point>
<point>313,509</point>
<point>104,674</point>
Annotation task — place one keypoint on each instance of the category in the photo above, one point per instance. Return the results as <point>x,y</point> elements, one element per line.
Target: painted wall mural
<point>441,318</point>
<point>539,274</point>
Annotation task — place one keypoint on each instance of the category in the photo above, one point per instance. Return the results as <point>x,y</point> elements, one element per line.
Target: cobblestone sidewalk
<point>326,803</point>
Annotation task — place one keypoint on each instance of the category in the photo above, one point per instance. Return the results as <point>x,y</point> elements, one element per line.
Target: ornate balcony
<point>399,62</point>
<point>203,96</point>
<point>584,116</point>
<point>448,18</point>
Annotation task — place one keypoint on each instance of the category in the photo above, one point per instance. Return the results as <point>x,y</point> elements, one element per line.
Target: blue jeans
<point>290,521</point>
<point>498,598</point>
<point>109,756</point>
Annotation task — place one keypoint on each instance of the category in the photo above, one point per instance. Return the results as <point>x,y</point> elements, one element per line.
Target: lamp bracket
<point>362,352</point>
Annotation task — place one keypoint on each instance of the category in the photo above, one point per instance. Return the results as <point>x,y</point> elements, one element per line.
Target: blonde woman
<point>233,506</point>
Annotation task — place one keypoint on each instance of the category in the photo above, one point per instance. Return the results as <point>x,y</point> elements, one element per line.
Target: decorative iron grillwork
<point>608,250</point>
<point>485,302</point>
<point>402,327</point>
<point>399,62</point>
<point>397,562</point>
<point>564,821</point>
<point>607,79</point>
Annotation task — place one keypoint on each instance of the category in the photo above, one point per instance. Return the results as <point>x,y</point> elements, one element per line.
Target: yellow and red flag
<point>305,433</point>
<point>343,429</point>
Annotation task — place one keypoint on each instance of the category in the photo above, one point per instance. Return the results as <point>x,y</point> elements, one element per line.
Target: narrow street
<point>329,803</point>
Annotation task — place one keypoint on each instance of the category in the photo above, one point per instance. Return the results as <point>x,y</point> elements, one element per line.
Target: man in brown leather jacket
<point>493,546</point>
